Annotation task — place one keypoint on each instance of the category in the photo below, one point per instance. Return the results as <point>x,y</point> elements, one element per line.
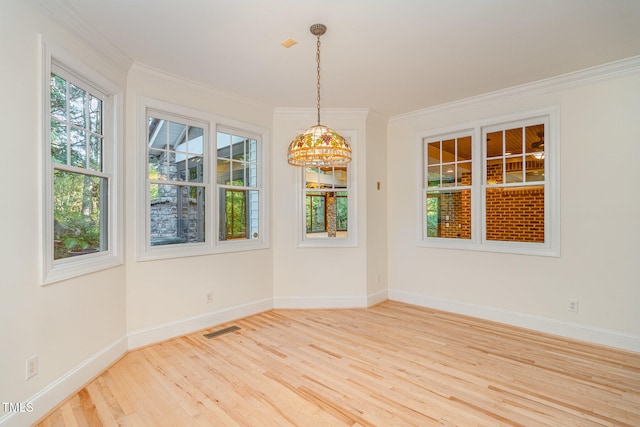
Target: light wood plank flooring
<point>390,365</point>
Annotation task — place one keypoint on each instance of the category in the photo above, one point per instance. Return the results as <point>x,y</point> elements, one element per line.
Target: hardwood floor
<point>389,365</point>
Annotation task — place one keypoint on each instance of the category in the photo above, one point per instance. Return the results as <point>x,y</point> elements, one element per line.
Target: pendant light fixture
<point>319,145</point>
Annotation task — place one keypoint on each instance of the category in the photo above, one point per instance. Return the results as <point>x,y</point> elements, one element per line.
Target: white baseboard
<point>143,337</point>
<point>377,298</point>
<point>320,302</point>
<point>541,324</point>
<point>69,383</point>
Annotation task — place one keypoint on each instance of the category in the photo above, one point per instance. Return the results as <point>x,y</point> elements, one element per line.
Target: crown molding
<point>64,15</point>
<point>564,81</point>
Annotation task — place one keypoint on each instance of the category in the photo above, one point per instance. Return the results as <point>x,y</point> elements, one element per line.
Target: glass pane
<point>326,177</point>
<point>494,144</point>
<point>535,139</point>
<point>311,177</point>
<point>177,136</point>
<point>252,174</point>
<point>433,153</point>
<point>448,151</point>
<point>253,214</point>
<point>504,214</point>
<point>463,174</point>
<point>342,213</point>
<point>95,115</point>
<point>535,168</point>
<point>494,172</point>
<point>449,214</point>
<point>195,140</point>
<point>252,150</point>
<point>448,175</point>
<point>176,214</point>
<point>514,170</point>
<point>78,139</point>
<point>513,141</point>
<point>79,214</point>
<point>58,142</point>
<point>196,169</point>
<point>157,165</point>
<point>95,153</point>
<point>433,176</point>
<point>464,148</point>
<point>237,173</point>
<point>340,177</point>
<point>158,134</point>
<point>224,172</point>
<point>223,144</point>
<point>176,170</point>
<point>238,147</point>
<point>233,214</point>
<point>77,105</point>
<point>58,95</point>
<point>315,215</point>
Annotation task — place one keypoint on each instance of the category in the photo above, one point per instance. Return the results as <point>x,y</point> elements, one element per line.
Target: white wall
<point>600,212</point>
<point>167,297</point>
<point>77,326</point>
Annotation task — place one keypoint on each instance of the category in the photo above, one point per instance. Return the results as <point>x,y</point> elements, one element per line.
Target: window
<point>493,187</point>
<point>238,190</point>
<point>328,202</point>
<point>79,180</point>
<point>203,184</point>
<point>176,171</point>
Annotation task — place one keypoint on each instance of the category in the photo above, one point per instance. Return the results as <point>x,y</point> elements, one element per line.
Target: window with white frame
<point>203,184</point>
<point>328,205</point>
<point>80,182</point>
<point>493,187</point>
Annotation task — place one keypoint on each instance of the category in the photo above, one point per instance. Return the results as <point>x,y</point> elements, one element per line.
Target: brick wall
<point>455,215</point>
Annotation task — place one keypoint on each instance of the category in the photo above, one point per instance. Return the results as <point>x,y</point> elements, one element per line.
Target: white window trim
<point>211,245</point>
<point>551,247</point>
<point>351,240</point>
<point>58,270</point>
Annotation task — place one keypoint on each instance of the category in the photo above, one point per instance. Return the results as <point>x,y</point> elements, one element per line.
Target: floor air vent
<point>221,332</point>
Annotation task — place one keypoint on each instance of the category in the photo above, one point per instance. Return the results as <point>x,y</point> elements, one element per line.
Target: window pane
<point>252,150</point>
<point>514,170</point>
<point>238,147</point>
<point>464,148</point>
<point>223,144</point>
<point>433,176</point>
<point>433,153</point>
<point>196,169</point>
<point>58,95</point>
<point>326,177</point>
<point>463,174</point>
<point>494,144</point>
<point>315,213</point>
<point>95,115</point>
<point>239,214</point>
<point>513,141</point>
<point>449,214</point>
<point>80,208</point>
<point>95,153</point>
<point>448,151</point>
<point>195,140</point>
<point>78,139</point>
<point>58,142</point>
<point>177,214</point>
<point>237,173</point>
<point>251,171</point>
<point>311,177</point>
<point>515,214</point>
<point>494,171</point>
<point>224,172</point>
<point>535,139</point>
<point>77,106</point>
<point>157,165</point>
<point>448,175</point>
<point>535,168</point>
<point>340,177</point>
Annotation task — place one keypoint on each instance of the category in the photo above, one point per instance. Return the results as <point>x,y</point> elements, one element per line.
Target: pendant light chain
<point>318,85</point>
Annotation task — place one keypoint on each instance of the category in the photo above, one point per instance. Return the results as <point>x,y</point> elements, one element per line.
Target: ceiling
<point>392,56</point>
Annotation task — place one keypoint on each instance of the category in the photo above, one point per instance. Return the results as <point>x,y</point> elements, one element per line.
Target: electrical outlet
<point>32,366</point>
<point>208,297</point>
<point>573,305</point>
